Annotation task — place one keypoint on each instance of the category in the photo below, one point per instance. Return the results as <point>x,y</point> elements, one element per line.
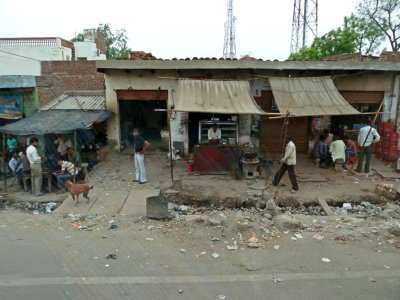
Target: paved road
<point>43,258</point>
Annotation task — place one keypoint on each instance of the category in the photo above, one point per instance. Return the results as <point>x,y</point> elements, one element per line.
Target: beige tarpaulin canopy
<point>215,96</point>
<point>309,96</point>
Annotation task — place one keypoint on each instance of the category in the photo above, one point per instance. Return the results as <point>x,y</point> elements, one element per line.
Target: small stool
<point>339,164</point>
<point>316,162</point>
<point>351,160</point>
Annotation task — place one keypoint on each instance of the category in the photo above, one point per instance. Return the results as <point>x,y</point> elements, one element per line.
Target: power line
<point>20,56</point>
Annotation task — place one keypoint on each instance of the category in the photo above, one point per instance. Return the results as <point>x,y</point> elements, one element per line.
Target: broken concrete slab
<point>135,204</point>
<point>389,174</point>
<point>110,202</point>
<point>322,202</point>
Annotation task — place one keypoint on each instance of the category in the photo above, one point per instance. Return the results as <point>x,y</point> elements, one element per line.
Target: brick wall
<point>61,76</point>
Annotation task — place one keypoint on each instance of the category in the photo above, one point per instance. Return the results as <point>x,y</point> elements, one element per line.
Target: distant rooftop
<point>34,42</point>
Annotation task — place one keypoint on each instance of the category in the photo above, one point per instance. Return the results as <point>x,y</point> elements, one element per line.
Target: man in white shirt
<point>337,149</point>
<point>15,167</point>
<point>287,164</point>
<point>214,134</point>
<point>63,143</point>
<point>366,137</point>
<point>35,162</point>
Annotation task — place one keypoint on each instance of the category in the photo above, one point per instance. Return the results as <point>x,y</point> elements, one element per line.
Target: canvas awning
<point>215,96</point>
<point>55,121</point>
<point>309,96</point>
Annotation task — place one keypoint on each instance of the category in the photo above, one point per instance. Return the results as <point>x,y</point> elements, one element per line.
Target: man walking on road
<point>36,167</point>
<point>366,137</point>
<point>140,145</point>
<point>287,164</point>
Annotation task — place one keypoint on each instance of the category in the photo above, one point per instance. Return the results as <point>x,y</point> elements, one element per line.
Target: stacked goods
<point>387,149</point>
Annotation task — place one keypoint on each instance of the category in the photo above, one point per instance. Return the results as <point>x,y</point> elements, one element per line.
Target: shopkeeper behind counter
<point>214,134</point>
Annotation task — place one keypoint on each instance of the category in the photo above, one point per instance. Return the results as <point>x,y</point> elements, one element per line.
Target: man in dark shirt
<point>140,145</point>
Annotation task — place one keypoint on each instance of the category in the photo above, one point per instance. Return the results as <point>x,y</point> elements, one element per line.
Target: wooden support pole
<point>170,145</point>
<point>5,162</point>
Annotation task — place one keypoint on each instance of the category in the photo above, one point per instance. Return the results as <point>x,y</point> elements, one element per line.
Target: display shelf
<point>229,130</point>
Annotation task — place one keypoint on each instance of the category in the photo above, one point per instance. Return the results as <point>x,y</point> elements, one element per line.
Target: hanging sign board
<point>11,107</point>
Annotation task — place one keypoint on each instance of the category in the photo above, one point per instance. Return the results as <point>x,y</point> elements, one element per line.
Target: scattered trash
<point>276,247</point>
<point>50,207</point>
<point>253,245</point>
<point>277,279</point>
<point>112,256</point>
<point>113,226</point>
<point>221,297</point>
<point>298,235</point>
<point>201,254</point>
<point>182,250</point>
<point>387,267</point>
<point>180,291</point>
<point>107,265</point>
<point>294,238</point>
<point>372,279</point>
<point>253,239</point>
<point>347,206</point>
<point>341,238</point>
<point>75,225</point>
<point>149,239</point>
<point>318,237</point>
<point>234,247</point>
<point>325,259</point>
<point>215,255</point>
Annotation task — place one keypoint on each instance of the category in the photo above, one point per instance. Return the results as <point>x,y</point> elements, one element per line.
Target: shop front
<point>215,106</point>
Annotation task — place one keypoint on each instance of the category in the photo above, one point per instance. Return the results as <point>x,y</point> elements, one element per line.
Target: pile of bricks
<point>141,55</point>
<point>388,149</point>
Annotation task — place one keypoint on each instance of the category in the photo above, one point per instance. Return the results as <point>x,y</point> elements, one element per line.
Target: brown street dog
<point>76,189</point>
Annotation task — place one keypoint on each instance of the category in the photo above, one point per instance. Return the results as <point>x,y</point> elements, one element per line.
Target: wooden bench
<point>27,177</point>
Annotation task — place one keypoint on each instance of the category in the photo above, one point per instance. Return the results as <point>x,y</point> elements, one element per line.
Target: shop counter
<point>215,159</point>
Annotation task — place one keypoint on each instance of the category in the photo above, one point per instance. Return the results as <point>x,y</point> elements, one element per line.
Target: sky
<point>171,28</point>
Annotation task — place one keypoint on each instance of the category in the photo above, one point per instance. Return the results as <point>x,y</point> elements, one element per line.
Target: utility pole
<point>229,41</point>
<point>305,22</point>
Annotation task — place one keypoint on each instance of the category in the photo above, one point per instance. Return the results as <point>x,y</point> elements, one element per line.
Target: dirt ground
<point>196,224</point>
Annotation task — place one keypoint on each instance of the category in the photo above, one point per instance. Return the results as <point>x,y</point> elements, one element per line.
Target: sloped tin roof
<point>76,102</point>
<point>56,121</point>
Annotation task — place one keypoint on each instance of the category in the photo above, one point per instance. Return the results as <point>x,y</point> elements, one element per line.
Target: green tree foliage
<point>385,14</point>
<point>356,35</point>
<point>115,43</point>
<point>367,34</point>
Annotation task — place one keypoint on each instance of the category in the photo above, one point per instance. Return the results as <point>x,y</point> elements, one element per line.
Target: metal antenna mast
<point>229,41</point>
<point>305,21</point>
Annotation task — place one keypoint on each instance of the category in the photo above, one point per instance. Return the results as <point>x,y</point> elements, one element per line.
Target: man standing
<point>214,134</point>
<point>366,137</point>
<point>63,143</point>
<point>140,145</point>
<point>35,162</point>
<point>287,164</point>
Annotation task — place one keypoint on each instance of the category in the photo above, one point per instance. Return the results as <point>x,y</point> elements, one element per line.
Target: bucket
<point>189,166</point>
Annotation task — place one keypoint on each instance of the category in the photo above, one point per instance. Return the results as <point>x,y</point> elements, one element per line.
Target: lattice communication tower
<point>305,22</point>
<point>229,41</point>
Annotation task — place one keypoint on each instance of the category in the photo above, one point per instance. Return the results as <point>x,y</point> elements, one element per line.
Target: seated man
<point>214,134</point>
<point>68,170</point>
<point>320,151</point>
<point>16,167</point>
<point>337,149</point>
<point>73,156</point>
<point>350,147</point>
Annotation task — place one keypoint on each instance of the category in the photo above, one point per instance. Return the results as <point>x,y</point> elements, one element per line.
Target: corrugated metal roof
<point>76,102</point>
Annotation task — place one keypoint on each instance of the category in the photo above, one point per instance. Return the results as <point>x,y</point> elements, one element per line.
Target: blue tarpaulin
<point>55,121</point>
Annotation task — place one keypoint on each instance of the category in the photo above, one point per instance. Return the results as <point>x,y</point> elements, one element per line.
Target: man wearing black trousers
<point>287,164</point>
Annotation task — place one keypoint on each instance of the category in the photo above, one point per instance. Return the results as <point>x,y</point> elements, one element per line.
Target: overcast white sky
<point>171,28</point>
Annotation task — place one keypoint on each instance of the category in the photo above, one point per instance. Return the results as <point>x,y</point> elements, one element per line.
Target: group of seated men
<point>329,149</point>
